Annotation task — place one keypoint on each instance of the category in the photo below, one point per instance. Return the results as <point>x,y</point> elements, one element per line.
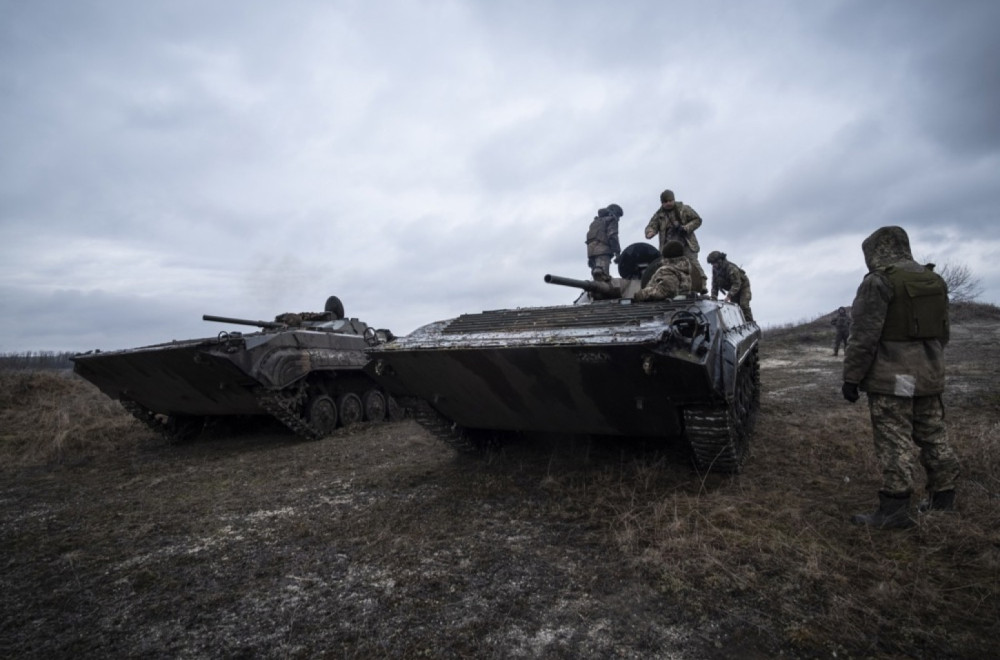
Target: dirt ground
<point>379,542</point>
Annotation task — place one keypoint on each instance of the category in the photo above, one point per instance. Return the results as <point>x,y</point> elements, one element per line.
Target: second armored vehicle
<point>303,369</point>
<point>684,368</point>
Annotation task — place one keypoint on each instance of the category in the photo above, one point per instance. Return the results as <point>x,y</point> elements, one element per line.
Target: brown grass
<point>50,416</point>
<point>419,553</point>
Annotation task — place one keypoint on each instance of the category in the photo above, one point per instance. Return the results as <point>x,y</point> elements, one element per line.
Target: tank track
<point>173,429</point>
<point>440,426</point>
<point>286,406</point>
<point>143,414</point>
<point>720,437</point>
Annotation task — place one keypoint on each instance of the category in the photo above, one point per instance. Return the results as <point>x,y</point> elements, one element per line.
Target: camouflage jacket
<point>728,277</point>
<point>672,278</point>
<point>901,368</point>
<point>602,237</point>
<point>842,322</point>
<point>677,224</point>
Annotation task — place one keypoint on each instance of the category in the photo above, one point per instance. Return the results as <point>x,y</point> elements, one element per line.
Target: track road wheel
<point>321,413</point>
<point>396,411</point>
<point>375,406</point>
<point>351,410</point>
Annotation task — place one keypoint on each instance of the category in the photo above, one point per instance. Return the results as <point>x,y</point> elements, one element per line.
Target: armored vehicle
<point>684,369</point>
<point>303,369</point>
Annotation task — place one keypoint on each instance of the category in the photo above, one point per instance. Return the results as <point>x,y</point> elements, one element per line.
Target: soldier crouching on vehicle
<point>671,279</point>
<point>895,353</point>
<point>602,242</point>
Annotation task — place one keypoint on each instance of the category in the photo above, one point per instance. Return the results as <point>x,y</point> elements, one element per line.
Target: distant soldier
<point>672,278</point>
<point>732,279</point>
<point>842,323</point>
<point>602,242</point>
<point>899,328</point>
<point>676,221</point>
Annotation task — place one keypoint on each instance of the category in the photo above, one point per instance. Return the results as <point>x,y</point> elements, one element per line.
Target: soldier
<point>895,353</point>
<point>672,278</point>
<point>733,280</point>
<point>602,242</point>
<point>842,323</point>
<point>676,221</point>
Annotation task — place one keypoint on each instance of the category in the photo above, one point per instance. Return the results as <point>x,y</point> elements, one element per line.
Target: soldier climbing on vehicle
<point>732,279</point>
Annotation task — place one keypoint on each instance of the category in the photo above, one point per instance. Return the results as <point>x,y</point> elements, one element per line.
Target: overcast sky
<point>422,159</point>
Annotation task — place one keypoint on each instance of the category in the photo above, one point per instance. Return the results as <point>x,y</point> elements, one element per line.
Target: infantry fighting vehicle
<point>303,369</point>
<point>685,369</point>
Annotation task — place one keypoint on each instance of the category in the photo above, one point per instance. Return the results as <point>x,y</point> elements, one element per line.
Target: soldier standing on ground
<point>672,278</point>
<point>842,323</point>
<point>895,353</point>
<point>676,221</point>
<point>602,242</point>
<point>733,280</point>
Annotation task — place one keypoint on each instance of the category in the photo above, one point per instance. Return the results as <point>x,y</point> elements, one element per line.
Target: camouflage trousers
<point>600,266</point>
<point>699,280</point>
<point>743,300</point>
<point>899,423</point>
<point>840,340</point>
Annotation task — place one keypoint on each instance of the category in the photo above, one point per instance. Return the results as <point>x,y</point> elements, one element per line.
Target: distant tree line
<point>36,360</point>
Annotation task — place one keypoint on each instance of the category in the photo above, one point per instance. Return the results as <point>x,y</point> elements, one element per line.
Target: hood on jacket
<point>886,246</point>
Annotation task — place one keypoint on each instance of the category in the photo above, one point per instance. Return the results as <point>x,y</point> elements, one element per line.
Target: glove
<point>850,392</point>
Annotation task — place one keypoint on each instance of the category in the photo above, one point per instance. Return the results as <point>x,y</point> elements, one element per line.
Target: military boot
<point>942,500</point>
<point>893,513</point>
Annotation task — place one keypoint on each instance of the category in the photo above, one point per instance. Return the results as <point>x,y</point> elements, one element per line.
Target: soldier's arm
<point>653,227</point>
<point>867,320</point>
<point>690,219</point>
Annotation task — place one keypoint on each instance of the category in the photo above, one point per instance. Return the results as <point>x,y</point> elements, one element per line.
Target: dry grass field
<point>378,542</point>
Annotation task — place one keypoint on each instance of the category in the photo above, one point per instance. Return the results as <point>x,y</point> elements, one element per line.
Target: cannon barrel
<point>602,288</point>
<point>226,319</point>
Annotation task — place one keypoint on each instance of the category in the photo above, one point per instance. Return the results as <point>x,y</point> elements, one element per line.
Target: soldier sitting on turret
<point>672,278</point>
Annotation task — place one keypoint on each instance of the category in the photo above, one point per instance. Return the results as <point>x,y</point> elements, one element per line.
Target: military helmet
<point>667,196</point>
<point>715,255</point>
<point>615,210</point>
<point>672,249</point>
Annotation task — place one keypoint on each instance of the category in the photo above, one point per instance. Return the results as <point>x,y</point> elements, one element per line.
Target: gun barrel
<point>586,285</point>
<point>602,288</point>
<point>226,319</point>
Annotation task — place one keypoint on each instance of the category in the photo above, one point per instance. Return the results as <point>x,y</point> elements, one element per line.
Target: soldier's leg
<point>892,430</point>
<point>931,435</point>
<point>699,281</point>
<point>745,296</point>
<point>600,267</point>
<point>744,302</point>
